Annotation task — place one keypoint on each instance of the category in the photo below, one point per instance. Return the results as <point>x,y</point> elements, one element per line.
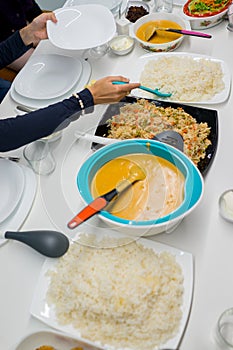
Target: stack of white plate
<point>49,78</point>
<point>17,187</point>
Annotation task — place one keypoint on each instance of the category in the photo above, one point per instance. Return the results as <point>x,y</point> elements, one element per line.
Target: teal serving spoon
<point>153,91</point>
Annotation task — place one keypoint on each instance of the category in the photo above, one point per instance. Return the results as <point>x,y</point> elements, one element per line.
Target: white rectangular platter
<point>42,311</point>
<point>136,70</point>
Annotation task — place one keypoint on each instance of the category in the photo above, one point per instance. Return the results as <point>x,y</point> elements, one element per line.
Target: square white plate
<point>11,187</point>
<point>81,27</point>
<point>136,70</point>
<point>19,214</point>
<point>48,76</point>
<point>40,103</point>
<point>41,310</point>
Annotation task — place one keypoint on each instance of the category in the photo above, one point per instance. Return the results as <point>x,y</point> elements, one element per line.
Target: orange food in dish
<point>161,36</point>
<point>160,193</point>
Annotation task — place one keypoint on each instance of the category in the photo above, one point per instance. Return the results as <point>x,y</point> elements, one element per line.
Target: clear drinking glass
<point>163,5</point>
<point>224,330</point>
<point>39,157</point>
<point>96,52</point>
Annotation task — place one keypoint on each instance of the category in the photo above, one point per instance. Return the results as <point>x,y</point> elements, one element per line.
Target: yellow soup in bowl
<point>160,36</point>
<point>160,193</point>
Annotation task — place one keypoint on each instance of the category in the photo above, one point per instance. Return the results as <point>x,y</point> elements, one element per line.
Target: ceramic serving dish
<point>203,15</point>
<point>163,47</point>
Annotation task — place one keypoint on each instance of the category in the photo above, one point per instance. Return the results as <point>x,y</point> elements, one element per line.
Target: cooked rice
<point>144,120</point>
<point>128,297</point>
<point>188,79</point>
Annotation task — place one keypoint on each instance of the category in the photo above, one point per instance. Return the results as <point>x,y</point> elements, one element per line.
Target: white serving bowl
<point>165,47</point>
<point>203,22</point>
<point>193,188</point>
<point>58,340</point>
<point>121,44</point>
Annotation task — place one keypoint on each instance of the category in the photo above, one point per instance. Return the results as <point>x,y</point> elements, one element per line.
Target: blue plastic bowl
<point>193,189</point>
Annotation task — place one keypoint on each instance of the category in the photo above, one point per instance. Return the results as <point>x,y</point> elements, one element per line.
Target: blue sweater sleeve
<point>18,131</point>
<point>12,48</point>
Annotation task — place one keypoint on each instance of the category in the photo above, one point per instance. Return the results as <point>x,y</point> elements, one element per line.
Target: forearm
<point>27,35</point>
<point>11,49</point>
<point>16,132</point>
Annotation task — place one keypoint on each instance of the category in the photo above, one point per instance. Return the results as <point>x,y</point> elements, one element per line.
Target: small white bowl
<point>136,4</point>
<point>121,44</point>
<point>165,47</point>
<point>226,205</point>
<point>204,22</point>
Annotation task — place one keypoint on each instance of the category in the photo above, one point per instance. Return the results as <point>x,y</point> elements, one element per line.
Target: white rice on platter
<point>187,78</point>
<point>128,297</point>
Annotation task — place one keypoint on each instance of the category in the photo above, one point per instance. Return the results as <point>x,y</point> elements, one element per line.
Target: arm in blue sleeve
<point>12,48</point>
<point>18,131</point>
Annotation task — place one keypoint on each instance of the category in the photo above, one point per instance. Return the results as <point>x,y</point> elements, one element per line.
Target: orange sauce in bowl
<point>161,36</point>
<point>160,193</point>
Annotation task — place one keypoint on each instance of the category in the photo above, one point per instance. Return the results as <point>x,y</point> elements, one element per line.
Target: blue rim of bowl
<point>194,183</point>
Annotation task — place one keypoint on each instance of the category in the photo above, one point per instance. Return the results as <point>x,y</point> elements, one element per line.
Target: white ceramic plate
<point>110,4</point>
<point>41,310</point>
<point>48,76</point>
<point>11,187</point>
<point>81,27</point>
<point>136,70</point>
<point>35,103</point>
<point>58,340</point>
<point>16,219</point>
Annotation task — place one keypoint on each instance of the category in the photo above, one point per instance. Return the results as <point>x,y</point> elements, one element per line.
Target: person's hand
<point>103,91</point>
<point>36,30</point>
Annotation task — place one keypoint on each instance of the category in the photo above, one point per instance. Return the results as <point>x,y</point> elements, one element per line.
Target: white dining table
<point>203,233</point>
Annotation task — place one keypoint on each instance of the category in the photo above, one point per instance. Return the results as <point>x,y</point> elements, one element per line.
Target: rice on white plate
<point>126,297</point>
<point>188,79</point>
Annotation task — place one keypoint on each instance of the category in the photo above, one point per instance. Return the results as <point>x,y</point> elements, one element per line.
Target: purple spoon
<point>151,31</point>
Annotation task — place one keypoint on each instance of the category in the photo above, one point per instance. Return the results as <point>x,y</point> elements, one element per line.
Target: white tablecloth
<point>204,233</point>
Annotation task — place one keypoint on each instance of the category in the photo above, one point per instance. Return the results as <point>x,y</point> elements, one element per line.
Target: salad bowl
<point>203,14</point>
